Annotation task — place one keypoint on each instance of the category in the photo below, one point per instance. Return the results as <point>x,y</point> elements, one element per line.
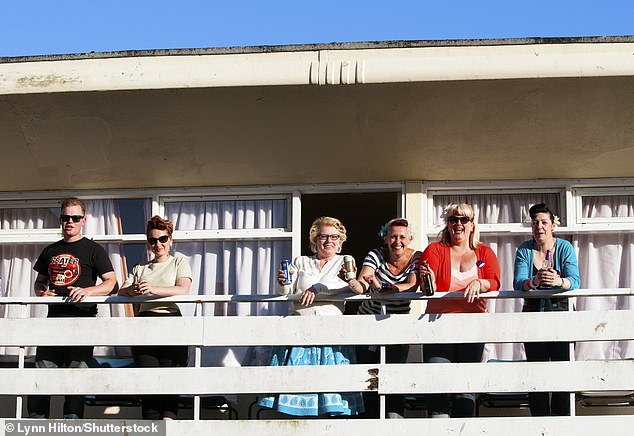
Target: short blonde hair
<point>73,201</point>
<point>322,222</point>
<point>459,209</point>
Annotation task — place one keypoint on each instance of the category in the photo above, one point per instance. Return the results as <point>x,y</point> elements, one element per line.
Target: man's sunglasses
<point>67,218</point>
<point>454,219</point>
<point>162,239</point>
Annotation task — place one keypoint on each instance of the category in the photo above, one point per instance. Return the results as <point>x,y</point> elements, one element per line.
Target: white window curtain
<point>606,261</point>
<point>103,218</point>
<point>243,267</point>
<point>17,272</point>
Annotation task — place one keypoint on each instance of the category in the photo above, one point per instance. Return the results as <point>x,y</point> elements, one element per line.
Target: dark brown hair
<point>159,223</point>
<point>541,208</point>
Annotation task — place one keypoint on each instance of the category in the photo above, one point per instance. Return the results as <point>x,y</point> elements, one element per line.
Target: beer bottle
<point>426,283</point>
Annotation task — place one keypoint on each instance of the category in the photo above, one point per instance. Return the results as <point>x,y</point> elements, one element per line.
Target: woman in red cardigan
<point>458,263</point>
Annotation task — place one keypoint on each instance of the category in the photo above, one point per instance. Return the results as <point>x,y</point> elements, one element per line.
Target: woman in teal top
<point>530,273</point>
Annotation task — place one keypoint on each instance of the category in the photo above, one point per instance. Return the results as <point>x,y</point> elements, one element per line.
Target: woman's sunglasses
<point>463,219</point>
<point>162,239</point>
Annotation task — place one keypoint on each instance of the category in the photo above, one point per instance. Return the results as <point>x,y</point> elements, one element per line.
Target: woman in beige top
<point>163,276</point>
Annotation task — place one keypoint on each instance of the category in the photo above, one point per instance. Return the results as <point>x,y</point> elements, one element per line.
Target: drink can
<point>288,274</point>
<point>348,264</point>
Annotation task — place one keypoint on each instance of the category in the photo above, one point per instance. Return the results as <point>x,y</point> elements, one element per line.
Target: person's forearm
<point>169,291</point>
<point>102,289</point>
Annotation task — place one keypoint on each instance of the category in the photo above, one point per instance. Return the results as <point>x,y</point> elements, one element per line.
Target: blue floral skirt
<point>347,403</point>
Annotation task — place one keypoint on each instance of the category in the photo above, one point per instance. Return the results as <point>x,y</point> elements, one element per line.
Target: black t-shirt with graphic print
<point>77,263</point>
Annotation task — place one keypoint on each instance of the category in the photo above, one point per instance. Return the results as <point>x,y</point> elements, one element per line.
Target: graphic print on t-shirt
<point>64,270</point>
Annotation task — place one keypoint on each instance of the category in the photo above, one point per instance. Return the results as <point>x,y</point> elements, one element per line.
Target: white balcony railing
<point>411,378</point>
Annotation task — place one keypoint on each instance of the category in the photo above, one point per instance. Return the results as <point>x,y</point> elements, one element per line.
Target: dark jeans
<point>394,404</point>
<point>461,405</point>
<point>154,356</point>
<point>38,406</point>
<point>559,402</point>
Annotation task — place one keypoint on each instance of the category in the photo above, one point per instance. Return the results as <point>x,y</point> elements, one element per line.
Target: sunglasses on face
<point>162,239</point>
<point>454,219</point>
<point>67,218</point>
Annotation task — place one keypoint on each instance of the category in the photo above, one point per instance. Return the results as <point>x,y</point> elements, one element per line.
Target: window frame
<point>602,223</point>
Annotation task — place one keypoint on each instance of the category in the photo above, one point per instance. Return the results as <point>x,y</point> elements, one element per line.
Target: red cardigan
<point>438,257</point>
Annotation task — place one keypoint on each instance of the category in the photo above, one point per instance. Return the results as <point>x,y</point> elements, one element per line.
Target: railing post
<point>19,401</point>
<point>197,361</point>
<point>382,359</point>
<point>571,358</point>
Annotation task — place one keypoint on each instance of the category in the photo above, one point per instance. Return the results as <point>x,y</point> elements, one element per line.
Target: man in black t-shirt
<point>70,268</point>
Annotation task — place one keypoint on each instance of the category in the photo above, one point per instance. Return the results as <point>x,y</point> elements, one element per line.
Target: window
<point>234,246</point>
<point>606,206</point>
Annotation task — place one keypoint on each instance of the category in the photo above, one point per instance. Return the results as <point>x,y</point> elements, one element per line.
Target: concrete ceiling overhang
<point>525,111</point>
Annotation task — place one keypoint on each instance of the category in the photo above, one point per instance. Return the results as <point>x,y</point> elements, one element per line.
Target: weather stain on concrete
<point>45,81</point>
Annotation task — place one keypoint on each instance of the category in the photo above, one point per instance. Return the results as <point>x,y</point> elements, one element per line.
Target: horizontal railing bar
<point>319,330</point>
<point>421,378</point>
<point>250,298</point>
<point>424,329</point>
<point>507,377</point>
<point>194,381</point>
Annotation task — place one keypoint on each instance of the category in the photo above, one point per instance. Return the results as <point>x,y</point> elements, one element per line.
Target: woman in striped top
<point>390,268</point>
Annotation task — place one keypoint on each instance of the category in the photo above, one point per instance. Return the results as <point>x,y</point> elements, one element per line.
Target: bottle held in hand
<point>548,263</point>
<point>426,283</point>
<point>348,264</point>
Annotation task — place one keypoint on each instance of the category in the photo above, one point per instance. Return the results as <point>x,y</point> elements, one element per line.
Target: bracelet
<point>531,283</point>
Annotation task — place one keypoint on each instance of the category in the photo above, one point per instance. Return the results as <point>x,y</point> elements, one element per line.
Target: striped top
<point>377,261</point>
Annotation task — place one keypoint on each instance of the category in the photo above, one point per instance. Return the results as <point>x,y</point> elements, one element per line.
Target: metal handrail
<point>274,298</point>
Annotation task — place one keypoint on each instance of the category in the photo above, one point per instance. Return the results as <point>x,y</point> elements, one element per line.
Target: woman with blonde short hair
<point>311,276</point>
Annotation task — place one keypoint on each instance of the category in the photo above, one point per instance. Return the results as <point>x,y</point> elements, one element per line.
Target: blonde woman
<point>313,275</point>
<point>458,263</point>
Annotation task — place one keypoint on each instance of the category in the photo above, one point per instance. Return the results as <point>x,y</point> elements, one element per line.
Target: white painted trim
<point>320,67</point>
<point>252,298</point>
<point>315,330</point>
<point>410,378</point>
<point>296,224</point>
